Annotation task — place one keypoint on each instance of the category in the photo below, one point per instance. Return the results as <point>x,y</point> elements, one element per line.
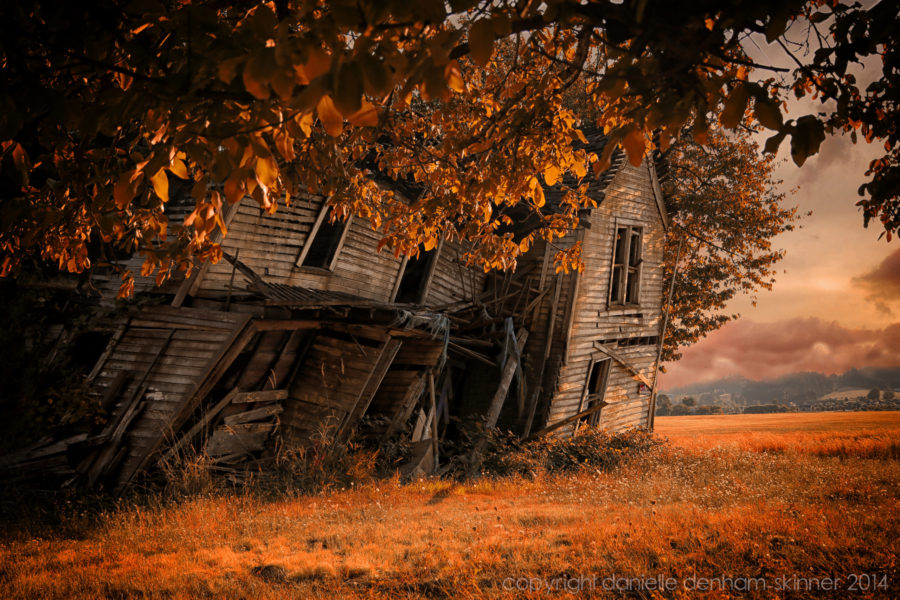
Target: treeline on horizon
<point>796,386</point>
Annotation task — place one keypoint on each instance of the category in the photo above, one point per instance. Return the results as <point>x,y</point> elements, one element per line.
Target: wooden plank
<point>407,405</point>
<point>262,396</point>
<point>253,415</point>
<point>568,420</point>
<point>382,363</point>
<point>242,333</point>
<point>204,421</point>
<point>619,359</point>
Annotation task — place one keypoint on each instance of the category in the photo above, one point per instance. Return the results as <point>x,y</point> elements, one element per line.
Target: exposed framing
<point>311,237</point>
<point>631,267</point>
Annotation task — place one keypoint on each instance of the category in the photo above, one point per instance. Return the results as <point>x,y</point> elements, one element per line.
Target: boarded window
<point>324,242</point>
<point>625,286</point>
<point>416,275</point>
<point>595,389</point>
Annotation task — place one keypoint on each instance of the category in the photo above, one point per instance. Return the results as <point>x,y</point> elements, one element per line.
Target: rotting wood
<point>434,419</point>
<point>253,415</point>
<point>261,396</point>
<point>619,359</point>
<point>493,413</point>
<point>382,363</point>
<point>545,355</point>
<point>407,405</point>
<point>568,420</point>
<point>204,421</point>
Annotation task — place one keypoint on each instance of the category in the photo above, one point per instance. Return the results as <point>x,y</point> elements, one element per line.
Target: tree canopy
<point>106,105</point>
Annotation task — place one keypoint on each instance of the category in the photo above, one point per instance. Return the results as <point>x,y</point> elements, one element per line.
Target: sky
<point>836,301</point>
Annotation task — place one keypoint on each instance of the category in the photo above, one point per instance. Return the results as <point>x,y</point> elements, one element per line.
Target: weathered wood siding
<point>328,384</point>
<point>189,343</point>
<point>271,245</point>
<point>452,281</point>
<point>629,196</point>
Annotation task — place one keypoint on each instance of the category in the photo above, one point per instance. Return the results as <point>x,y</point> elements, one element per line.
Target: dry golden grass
<point>842,434</point>
<point>674,512</point>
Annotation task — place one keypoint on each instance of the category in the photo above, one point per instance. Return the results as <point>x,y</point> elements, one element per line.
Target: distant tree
<point>690,402</point>
<point>707,398</point>
<point>663,405</point>
<point>873,394</point>
<point>888,394</point>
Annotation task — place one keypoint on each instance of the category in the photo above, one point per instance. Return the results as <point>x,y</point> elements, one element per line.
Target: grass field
<point>841,434</point>
<point>707,515</point>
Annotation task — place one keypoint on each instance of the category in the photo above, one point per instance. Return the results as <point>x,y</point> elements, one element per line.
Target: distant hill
<point>796,387</point>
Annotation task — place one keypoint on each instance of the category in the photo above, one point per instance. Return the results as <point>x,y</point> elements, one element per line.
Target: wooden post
<point>651,418</point>
<point>434,418</point>
<point>548,345</point>
<point>493,413</point>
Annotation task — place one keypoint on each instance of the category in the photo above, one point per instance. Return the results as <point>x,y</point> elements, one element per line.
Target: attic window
<point>595,388</point>
<point>625,286</point>
<point>415,277</point>
<point>324,242</point>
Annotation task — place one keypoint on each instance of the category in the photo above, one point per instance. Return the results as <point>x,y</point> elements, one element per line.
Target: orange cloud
<point>768,350</point>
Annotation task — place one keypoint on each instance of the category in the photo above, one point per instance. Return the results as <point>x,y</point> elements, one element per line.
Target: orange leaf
<point>634,146</point>
<point>367,116</point>
<point>124,191</point>
<point>330,117</point>
<point>551,174</point>
<point>161,185</point>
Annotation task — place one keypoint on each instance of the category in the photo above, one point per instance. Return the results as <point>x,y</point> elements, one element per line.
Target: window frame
<point>311,237</point>
<point>588,397</point>
<point>428,276</point>
<point>630,271</point>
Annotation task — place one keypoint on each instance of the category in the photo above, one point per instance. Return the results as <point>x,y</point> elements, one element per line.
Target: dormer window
<point>324,242</point>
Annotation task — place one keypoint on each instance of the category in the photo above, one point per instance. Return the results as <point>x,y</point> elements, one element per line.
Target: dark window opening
<point>323,247</point>
<point>415,277</point>
<point>596,390</point>
<point>625,287</point>
<point>87,348</point>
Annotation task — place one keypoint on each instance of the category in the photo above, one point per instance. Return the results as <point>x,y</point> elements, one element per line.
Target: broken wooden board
<point>238,439</point>
<point>263,396</point>
<point>254,415</point>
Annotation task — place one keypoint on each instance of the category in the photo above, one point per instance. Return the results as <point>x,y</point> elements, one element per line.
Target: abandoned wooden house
<point>307,329</point>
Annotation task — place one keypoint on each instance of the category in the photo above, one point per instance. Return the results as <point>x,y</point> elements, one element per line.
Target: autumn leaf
<point>551,174</point>
<point>367,116</point>
<point>330,117</point>
<point>161,185</point>
<point>634,144</point>
<point>767,112</point>
<point>124,190</point>
<point>735,106</point>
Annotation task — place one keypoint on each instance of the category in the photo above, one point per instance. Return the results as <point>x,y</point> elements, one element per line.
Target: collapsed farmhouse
<point>306,327</point>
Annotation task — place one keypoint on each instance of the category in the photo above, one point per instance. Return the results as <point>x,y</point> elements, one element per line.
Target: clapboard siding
<point>628,197</point>
<point>171,350</point>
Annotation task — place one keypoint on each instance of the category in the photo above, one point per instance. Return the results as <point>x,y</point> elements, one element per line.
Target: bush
<point>589,447</point>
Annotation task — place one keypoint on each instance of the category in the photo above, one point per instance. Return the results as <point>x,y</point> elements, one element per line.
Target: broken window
<point>324,242</point>
<point>595,389</point>
<point>625,286</point>
<point>415,277</point>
